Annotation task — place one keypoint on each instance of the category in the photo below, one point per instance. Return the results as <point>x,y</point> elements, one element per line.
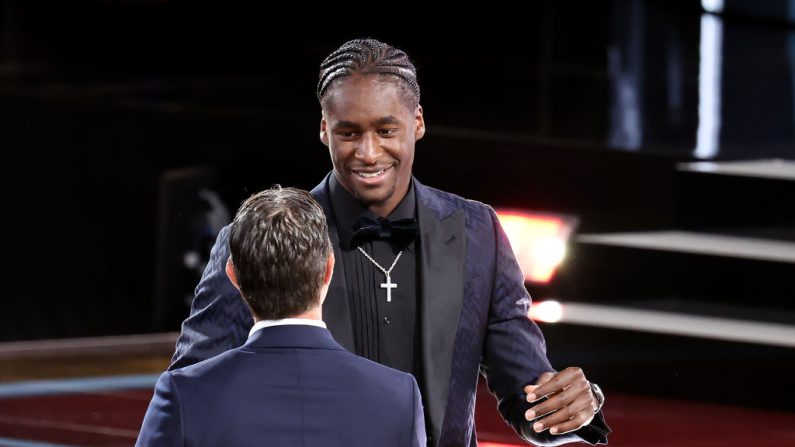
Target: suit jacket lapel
<point>442,261</point>
<point>336,310</point>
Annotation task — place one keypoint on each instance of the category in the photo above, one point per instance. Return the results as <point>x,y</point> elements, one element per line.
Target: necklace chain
<point>386,272</point>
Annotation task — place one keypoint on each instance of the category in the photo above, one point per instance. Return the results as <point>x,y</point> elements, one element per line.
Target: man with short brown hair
<point>290,384</point>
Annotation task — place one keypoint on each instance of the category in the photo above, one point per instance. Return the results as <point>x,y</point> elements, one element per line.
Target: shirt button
<point>387,320</point>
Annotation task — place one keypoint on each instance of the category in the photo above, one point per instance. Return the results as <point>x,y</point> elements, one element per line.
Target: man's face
<point>370,132</point>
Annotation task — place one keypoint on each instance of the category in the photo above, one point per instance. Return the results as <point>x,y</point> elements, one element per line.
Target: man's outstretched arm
<point>515,365</point>
<point>219,319</point>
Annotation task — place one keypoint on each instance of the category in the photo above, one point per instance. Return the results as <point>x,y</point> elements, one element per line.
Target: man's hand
<point>570,404</point>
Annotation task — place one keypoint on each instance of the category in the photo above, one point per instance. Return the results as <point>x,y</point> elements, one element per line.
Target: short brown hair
<point>279,246</point>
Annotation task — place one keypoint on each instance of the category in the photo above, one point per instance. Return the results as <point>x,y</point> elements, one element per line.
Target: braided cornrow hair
<point>369,57</point>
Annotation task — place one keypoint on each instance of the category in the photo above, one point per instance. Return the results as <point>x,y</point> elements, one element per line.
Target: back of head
<point>279,246</point>
<point>369,57</point>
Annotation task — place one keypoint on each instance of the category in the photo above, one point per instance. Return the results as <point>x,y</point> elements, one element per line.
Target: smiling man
<point>370,127</point>
<point>427,282</point>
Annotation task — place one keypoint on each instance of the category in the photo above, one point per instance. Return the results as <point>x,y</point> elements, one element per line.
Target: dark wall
<point>100,101</point>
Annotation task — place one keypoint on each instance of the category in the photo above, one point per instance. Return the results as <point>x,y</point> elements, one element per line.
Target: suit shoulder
<point>377,368</point>
<point>205,367</point>
<point>457,202</point>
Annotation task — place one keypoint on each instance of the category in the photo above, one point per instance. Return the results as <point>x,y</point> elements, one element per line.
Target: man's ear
<point>419,130</point>
<point>327,277</point>
<point>329,268</point>
<point>230,273</point>
<point>323,131</point>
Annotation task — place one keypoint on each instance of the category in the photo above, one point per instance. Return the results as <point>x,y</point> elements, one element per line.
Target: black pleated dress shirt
<point>385,332</point>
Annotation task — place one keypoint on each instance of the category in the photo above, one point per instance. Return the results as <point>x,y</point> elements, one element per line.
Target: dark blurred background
<point>131,131</point>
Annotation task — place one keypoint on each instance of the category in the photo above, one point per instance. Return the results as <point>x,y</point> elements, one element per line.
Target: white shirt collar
<point>285,321</point>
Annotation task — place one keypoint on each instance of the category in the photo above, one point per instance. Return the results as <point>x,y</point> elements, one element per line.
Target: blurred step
<point>688,266</point>
<point>673,366</point>
<point>679,355</point>
<point>698,243</point>
<point>768,169</point>
<point>753,193</point>
<point>705,325</point>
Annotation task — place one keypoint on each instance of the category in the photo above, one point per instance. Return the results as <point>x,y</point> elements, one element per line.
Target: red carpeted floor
<point>85,419</point>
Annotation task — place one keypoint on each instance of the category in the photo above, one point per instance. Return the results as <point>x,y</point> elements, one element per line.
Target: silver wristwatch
<point>599,395</point>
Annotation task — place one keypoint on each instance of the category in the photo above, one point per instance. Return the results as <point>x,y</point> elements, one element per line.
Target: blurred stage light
<point>712,6</point>
<point>547,311</point>
<point>538,241</point>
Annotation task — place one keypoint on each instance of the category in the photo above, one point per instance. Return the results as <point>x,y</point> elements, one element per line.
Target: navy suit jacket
<point>287,386</point>
<point>472,316</point>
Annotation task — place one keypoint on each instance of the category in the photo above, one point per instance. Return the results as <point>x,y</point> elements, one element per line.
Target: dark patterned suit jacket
<point>473,318</point>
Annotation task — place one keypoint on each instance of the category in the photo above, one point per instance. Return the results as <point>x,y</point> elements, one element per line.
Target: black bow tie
<point>401,232</point>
